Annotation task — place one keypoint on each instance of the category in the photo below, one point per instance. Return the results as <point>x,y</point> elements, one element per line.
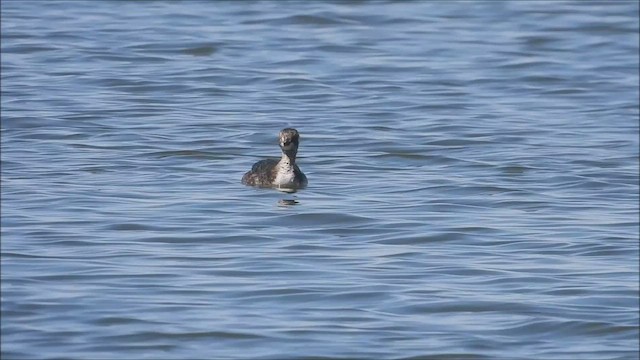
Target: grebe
<point>283,173</point>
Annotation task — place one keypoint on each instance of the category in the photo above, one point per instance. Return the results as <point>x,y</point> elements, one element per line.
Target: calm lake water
<point>473,180</point>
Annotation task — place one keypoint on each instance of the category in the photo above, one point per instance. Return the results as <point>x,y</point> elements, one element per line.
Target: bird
<point>280,174</point>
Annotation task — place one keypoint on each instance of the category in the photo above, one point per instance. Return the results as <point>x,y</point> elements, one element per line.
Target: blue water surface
<point>473,180</point>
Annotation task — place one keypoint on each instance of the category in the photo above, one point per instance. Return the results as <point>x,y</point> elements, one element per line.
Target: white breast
<point>284,178</point>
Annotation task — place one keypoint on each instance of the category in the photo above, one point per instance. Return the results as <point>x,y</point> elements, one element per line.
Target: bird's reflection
<point>287,202</point>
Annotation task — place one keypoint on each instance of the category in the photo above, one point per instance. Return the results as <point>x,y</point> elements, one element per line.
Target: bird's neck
<point>288,159</point>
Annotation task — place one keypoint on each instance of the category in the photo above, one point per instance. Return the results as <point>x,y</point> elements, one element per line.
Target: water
<point>473,180</point>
